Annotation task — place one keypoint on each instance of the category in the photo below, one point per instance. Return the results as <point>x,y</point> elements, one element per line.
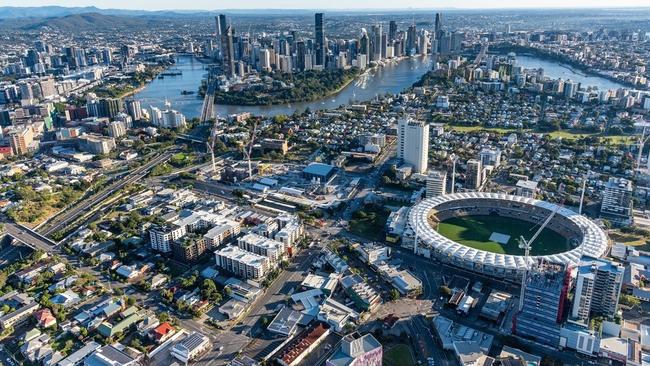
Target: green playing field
<point>475,232</point>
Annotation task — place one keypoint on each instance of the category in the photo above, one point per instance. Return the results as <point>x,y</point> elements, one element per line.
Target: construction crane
<point>249,151</point>
<point>211,141</point>
<point>526,245</point>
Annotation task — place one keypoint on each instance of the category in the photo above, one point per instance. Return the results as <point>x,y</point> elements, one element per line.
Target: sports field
<point>483,232</point>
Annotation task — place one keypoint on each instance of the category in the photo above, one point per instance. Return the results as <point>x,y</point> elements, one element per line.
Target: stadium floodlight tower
<point>526,245</point>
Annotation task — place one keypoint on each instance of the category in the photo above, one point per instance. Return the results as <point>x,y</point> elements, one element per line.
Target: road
<point>86,206</point>
<point>30,237</point>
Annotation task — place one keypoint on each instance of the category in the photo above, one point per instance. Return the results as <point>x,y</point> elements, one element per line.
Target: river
<point>392,78</point>
<point>555,70</point>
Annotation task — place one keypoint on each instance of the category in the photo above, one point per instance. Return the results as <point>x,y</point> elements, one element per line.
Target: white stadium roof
<point>594,240</point>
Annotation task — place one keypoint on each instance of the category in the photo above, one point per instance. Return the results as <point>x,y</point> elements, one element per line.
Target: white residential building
<point>257,244</point>
<point>242,263</point>
<point>291,229</point>
<point>617,201</point>
<point>162,237</point>
<point>221,232</point>
<point>413,144</point>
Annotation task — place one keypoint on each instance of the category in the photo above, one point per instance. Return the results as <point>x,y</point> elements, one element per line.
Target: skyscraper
<point>598,287</point>
<point>319,44</point>
<point>222,24</point>
<point>413,143</point>
<point>228,52</point>
<point>218,25</point>
<point>301,52</point>
<point>438,25</point>
<point>71,56</point>
<point>411,40</point>
<point>377,42</point>
<point>392,30</point>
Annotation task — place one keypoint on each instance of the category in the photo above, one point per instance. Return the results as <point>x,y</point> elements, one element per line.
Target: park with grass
<point>498,234</point>
<point>370,222</point>
<point>398,355</point>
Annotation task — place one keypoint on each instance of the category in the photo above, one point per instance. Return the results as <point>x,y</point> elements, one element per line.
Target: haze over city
<point>337,4</point>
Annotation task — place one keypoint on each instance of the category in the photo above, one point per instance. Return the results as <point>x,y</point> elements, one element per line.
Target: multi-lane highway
<point>67,217</point>
<point>30,237</point>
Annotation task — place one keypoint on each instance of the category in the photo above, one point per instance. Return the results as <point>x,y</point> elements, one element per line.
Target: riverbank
<point>308,86</point>
<point>563,61</point>
<point>392,78</point>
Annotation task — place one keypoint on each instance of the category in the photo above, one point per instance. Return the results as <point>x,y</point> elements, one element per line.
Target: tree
<point>629,300</point>
<point>394,294</point>
<point>445,291</point>
<point>209,291</point>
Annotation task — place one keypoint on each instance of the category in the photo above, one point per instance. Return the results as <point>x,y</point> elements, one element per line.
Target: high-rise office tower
<point>436,183</point>
<point>457,41</point>
<point>217,23</point>
<point>223,24</point>
<point>319,42</point>
<point>228,52</point>
<point>364,43</point>
<point>301,52</point>
<point>444,43</point>
<point>423,45</point>
<point>474,176</point>
<point>107,56</point>
<point>598,287</point>
<point>413,143</point>
<point>438,25</point>
<point>392,30</point>
<point>71,56</point>
<point>376,42</point>
<point>411,40</point>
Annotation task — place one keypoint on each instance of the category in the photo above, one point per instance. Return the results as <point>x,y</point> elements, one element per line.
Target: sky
<point>330,4</point>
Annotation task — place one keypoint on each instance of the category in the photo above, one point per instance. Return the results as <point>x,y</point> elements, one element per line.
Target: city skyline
<point>338,5</point>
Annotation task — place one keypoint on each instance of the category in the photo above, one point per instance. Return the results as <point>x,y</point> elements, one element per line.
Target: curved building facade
<point>589,239</point>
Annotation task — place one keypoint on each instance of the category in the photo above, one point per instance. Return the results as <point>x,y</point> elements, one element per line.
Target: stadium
<point>480,232</point>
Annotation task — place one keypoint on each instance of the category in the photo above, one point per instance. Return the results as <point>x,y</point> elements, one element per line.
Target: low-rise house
<point>66,299</point>
<point>44,318</point>
<point>110,356</point>
<point>162,332</point>
<point>78,357</point>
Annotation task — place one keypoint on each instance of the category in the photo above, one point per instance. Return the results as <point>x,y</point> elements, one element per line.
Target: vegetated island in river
<point>283,88</point>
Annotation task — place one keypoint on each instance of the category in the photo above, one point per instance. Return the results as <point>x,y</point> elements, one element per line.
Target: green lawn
<point>399,355</point>
<point>475,232</point>
<point>567,135</point>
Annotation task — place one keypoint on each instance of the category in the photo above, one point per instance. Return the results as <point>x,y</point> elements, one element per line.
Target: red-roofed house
<point>162,332</point>
<point>45,318</point>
